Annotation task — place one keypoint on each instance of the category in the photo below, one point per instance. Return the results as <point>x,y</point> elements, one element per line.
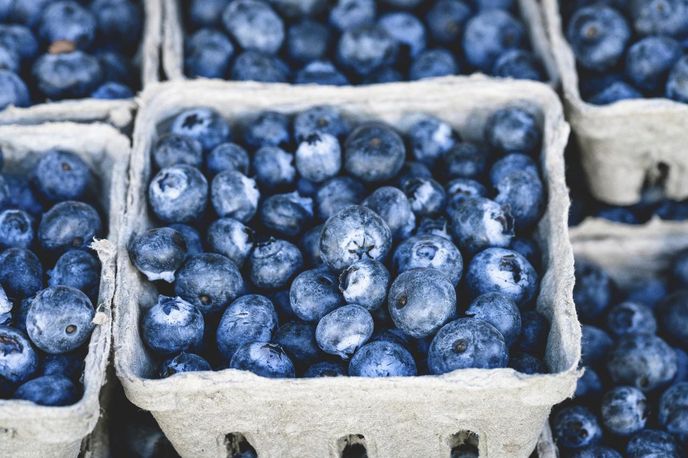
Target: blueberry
<point>307,41</point>
<point>425,195</point>
<point>520,64</point>
<point>286,214</point>
<point>488,34</point>
<point>534,333</point>
<point>158,253</point>
<point>6,307</point>
<point>643,361</point>
<point>429,251</point>
<point>413,169</point>
<point>269,128</point>
<point>314,294</point>
<point>60,319</point>
<point>235,195</point>
<point>321,119</point>
<point>676,87</point>
<point>596,451</point>
<point>209,281</point>
<point>528,248</point>
<point>344,330</point>
<point>19,40</point>
<point>206,13</point>
<point>172,325</point>
<point>281,300</point>
<point>648,291</point>
<point>250,318</point>
<point>595,345</point>
<point>112,90</point>
<point>495,4</point>
<point>183,362</point>
<point>373,152</point>
<point>49,390</point>
<point>386,74</point>
<point>477,223</point>
<point>61,175</point>
<point>319,157</point>
<point>264,359</point>
<point>365,49</point>
<point>652,443</point>
<point>406,29</point>
<point>9,59</point>
<point>446,21</point>
<point>392,205</point>
<point>321,72</point>
<point>624,410</point>
<point>598,36</point>
<point>433,226</point>
<point>433,63</point>
<point>254,25</point>
<point>230,238</point>
<point>589,385</point>
<point>207,54</point>
<point>337,194</point>
<point>348,14</point>
<point>649,61</point>
<point>256,66</point>
<point>673,409</point>
<point>70,365</point>
<point>679,268</point>
<point>310,246</point>
<point>27,12</point>
<point>523,194</point>
<point>274,168</point>
<point>527,364</point>
<point>512,163</point>
<point>13,91</point>
<point>192,239</point>
<point>659,17</point>
<point>354,233</point>
<point>18,359</point>
<point>500,311</point>
<point>273,263</point>
<point>513,130</point>
<point>21,273</point>
<point>673,316</point>
<point>461,188</point>
<point>616,91</point>
<point>466,343</point>
<point>67,21</point>
<point>631,318</point>
<point>16,229</point>
<point>298,340</point>
<point>178,194</point>
<point>431,139</point>
<point>504,271</point>
<point>67,75</point>
<point>78,269</point>
<point>299,8</point>
<point>227,156</point>
<point>325,369</point>
<point>365,283</point>
<point>68,225</point>
<point>682,366</point>
<point>382,359</point>
<point>202,124</point>
<point>116,67</point>
<point>120,23</point>
<point>173,149</point>
<point>465,160</point>
<point>592,292</point>
<point>576,427</point>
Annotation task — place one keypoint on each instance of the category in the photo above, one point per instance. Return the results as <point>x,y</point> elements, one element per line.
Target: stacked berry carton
<point>27,429</point>
<point>206,413</point>
<point>626,144</point>
<point>118,112</point>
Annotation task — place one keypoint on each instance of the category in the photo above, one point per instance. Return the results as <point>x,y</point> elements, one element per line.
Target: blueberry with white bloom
<point>354,233</point>
<point>465,160</point>
<point>429,251</point>
<point>426,196</point>
<point>310,246</point>
<point>405,28</point>
<point>321,72</point>
<point>235,195</point>
<point>257,66</point>
<point>61,175</point>
<point>18,359</point>
<point>319,157</point>
<point>478,223</point>
<point>500,311</point>
<point>178,194</point>
<point>250,318</point>
<point>273,168</point>
<point>192,238</point>
<point>373,152</point>
<point>446,21</point>
<point>342,331</point>
<point>254,25</point>
<point>183,362</point>
<point>69,224</point>
<point>511,163</point>
<point>286,214</point>
<point>209,281</point>
<point>227,156</point>
<point>78,269</point>
<point>49,390</point>
<point>576,427</point>
<point>21,273</point>
<point>174,149</point>
<point>172,325</point>
<point>158,253</point>
<point>673,409</point>
<point>434,226</point>
<point>624,410</point>
<point>460,188</point>
<point>365,283</point>
<point>231,238</point>
<point>314,293</point>
<point>307,41</point>
<point>325,369</point>
<point>631,318</point>
<point>269,128</point>
<point>16,229</point>
<point>643,361</point>
<point>504,271</point>
<point>523,194</point>
<point>298,340</point>
<point>337,194</point>
<point>352,13</point>
<point>433,63</point>
<point>651,443</point>
<point>365,49</point>
<point>382,359</point>
<point>488,34</point>
<point>203,124</point>
<point>321,119</point>
<point>392,205</point>
<point>467,343</point>
<point>421,301</point>
<point>513,130</point>
<point>673,315</point>
<point>264,359</point>
<point>273,263</point>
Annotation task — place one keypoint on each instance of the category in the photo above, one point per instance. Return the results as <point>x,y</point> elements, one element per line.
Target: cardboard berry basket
<point>626,144</point>
<point>27,429</point>
<point>205,413</point>
<point>173,38</point>
<point>119,113</point>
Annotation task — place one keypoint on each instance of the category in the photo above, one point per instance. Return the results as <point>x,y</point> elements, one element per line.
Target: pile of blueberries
<point>629,49</point>
<point>632,400</point>
<point>46,316</point>
<point>355,41</point>
<point>315,245</point>
<point>67,49</point>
